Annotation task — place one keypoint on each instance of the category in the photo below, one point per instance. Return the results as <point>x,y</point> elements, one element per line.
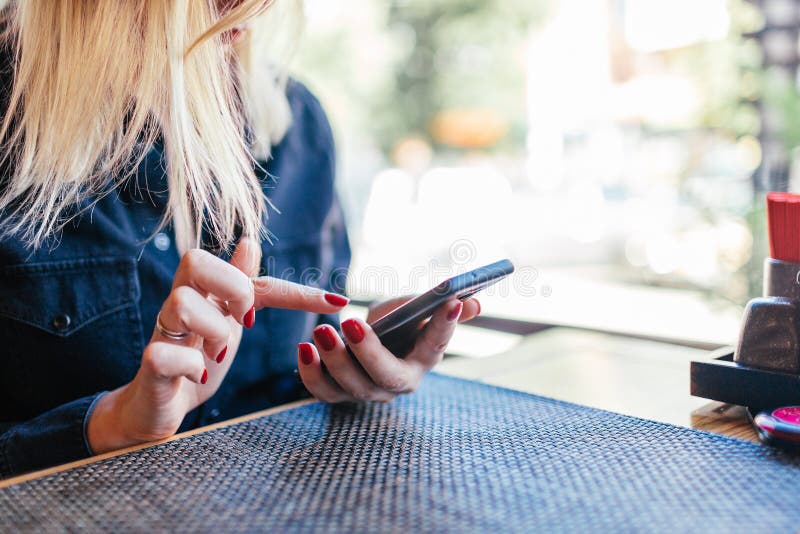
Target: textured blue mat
<point>456,456</point>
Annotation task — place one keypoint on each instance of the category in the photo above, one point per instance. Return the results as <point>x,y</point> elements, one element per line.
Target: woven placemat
<point>455,456</point>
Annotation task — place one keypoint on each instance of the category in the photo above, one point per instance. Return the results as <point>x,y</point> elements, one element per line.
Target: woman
<point>143,141</point>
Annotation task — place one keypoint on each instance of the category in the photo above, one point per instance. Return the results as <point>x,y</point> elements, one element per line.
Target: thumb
<point>247,256</point>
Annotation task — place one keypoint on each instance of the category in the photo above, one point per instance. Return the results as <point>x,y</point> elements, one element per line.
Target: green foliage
<point>729,74</point>
<point>467,54</point>
<point>781,96</point>
<point>405,60</point>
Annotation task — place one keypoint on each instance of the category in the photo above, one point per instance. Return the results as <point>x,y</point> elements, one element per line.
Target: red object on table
<point>783,223</point>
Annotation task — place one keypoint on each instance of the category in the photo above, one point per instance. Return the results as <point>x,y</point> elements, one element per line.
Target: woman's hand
<point>210,301</point>
<point>381,376</point>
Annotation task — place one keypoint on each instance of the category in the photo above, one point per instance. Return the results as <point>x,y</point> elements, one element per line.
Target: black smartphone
<point>398,329</point>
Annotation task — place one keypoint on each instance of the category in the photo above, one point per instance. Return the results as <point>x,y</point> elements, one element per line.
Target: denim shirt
<point>76,314</point>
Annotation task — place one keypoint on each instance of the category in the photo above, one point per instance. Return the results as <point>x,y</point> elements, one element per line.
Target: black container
<point>720,378</point>
<point>764,369</point>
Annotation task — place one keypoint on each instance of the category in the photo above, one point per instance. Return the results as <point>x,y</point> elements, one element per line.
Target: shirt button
<point>213,413</point>
<point>161,241</point>
<point>61,321</point>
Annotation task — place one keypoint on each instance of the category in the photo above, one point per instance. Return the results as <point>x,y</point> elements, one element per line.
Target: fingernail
<point>204,378</point>
<point>306,353</point>
<point>336,300</point>
<point>479,307</point>
<point>353,331</point>
<point>221,355</point>
<point>325,336</point>
<point>455,312</point>
<point>250,317</point>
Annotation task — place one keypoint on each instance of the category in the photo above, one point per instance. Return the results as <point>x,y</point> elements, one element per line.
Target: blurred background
<point>617,150</point>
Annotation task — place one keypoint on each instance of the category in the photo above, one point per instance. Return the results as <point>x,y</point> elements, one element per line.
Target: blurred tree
<point>464,55</point>
<point>405,61</point>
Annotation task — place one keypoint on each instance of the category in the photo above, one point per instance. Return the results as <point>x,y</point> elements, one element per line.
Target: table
<point>455,456</point>
<point>632,376</point>
<point>628,375</point>
<point>100,457</point>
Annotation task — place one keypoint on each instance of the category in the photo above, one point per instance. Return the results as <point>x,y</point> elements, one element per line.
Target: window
<point>617,151</point>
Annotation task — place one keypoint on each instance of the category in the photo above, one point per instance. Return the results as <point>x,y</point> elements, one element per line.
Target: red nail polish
<point>221,355</point>
<point>353,331</point>
<point>455,312</point>
<point>250,317</point>
<point>336,300</point>
<point>306,353</point>
<point>204,378</point>
<point>325,336</point>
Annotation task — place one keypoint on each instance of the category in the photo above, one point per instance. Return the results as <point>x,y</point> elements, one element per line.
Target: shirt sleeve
<point>55,437</point>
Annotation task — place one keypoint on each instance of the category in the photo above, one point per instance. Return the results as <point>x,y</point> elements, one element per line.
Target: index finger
<point>278,293</point>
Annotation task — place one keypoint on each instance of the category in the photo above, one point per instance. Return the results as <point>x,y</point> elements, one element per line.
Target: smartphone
<point>398,329</point>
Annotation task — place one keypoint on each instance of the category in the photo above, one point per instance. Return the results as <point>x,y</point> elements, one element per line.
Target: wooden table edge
<point>92,459</point>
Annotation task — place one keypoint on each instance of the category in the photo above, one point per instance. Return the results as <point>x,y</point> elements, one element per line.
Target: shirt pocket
<point>70,328</point>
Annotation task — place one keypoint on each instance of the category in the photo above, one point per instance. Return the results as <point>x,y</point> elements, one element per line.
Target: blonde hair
<point>97,81</point>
